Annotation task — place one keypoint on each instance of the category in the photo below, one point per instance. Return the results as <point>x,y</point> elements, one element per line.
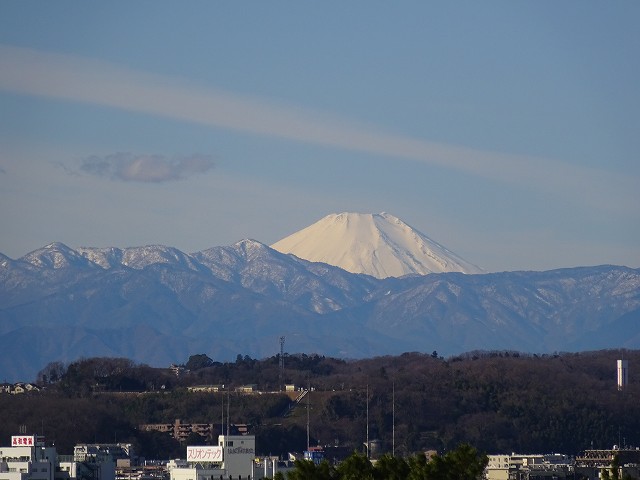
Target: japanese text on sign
<point>23,441</point>
<point>204,454</point>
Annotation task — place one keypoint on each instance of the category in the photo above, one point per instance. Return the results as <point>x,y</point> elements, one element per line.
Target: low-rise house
<point>18,388</point>
<point>247,388</point>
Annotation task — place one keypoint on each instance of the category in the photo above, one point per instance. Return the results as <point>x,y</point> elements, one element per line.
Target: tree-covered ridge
<point>496,401</point>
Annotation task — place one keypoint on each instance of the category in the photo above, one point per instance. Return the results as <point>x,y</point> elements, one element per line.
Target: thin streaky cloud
<point>79,79</point>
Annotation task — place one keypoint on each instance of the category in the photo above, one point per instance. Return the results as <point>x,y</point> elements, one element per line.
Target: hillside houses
<point>19,388</point>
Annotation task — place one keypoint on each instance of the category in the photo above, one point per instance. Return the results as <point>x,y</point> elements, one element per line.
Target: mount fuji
<point>158,305</point>
<point>379,245</point>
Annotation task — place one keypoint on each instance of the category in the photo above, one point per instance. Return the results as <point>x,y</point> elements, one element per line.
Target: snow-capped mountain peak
<point>249,247</point>
<point>56,255</point>
<point>379,245</point>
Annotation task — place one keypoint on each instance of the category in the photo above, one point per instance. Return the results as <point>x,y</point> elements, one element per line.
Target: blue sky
<point>507,131</point>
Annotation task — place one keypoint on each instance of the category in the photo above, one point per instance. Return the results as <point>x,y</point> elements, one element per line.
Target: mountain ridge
<point>240,299</point>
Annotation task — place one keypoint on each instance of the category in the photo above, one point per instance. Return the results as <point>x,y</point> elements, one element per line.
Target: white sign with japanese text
<point>204,454</point>
<point>23,441</point>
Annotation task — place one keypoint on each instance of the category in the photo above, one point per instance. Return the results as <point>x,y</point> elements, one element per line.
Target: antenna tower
<point>623,374</point>
<point>281,360</point>
<point>222,414</point>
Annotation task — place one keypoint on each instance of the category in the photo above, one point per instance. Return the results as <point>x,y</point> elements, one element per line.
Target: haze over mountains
<point>158,305</point>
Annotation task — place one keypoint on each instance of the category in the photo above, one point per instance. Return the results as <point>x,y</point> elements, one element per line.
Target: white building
<point>506,467</point>
<point>27,459</point>
<point>497,467</point>
<point>98,469</point>
<point>233,457</point>
<point>91,462</point>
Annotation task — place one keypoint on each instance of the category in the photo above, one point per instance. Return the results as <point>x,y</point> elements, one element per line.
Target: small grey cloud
<point>66,169</point>
<point>2,170</point>
<point>146,168</point>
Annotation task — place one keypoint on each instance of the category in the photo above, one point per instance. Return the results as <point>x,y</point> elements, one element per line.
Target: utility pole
<point>393,419</point>
<point>308,400</point>
<point>368,444</point>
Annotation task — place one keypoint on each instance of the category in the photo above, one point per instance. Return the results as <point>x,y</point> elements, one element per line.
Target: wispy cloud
<point>83,80</point>
<point>146,168</point>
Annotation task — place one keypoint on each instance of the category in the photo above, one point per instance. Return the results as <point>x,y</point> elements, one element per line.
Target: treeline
<point>91,375</point>
<point>497,401</point>
<point>462,463</point>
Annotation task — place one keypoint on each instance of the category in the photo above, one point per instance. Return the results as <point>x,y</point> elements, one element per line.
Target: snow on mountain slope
<point>56,256</point>
<point>137,257</point>
<point>379,245</point>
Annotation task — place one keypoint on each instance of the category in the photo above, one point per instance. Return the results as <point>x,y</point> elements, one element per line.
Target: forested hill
<point>496,401</point>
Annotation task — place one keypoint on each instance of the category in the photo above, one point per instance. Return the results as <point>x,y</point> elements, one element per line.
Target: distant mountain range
<point>158,305</point>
